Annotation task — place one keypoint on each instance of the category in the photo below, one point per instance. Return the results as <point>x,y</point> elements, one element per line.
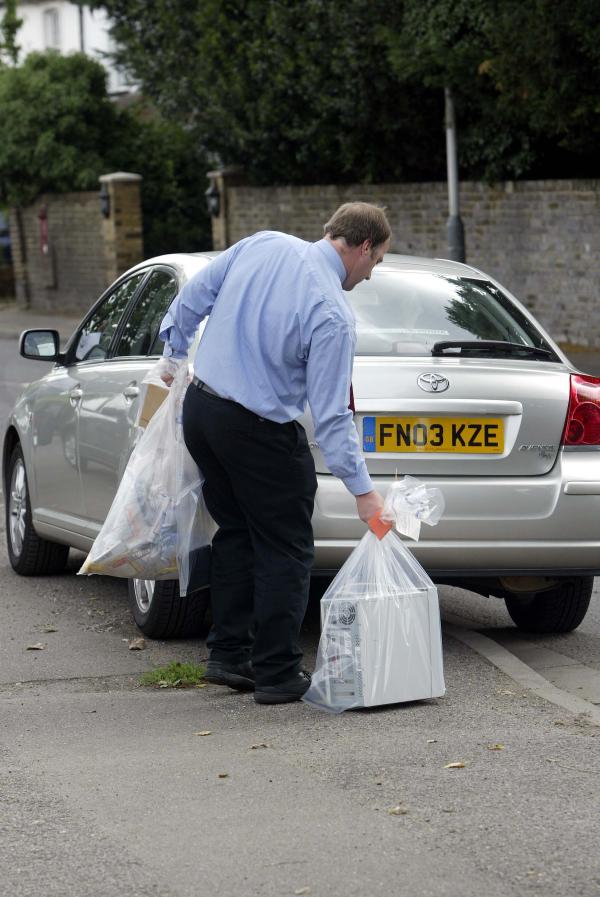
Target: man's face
<point>360,262</point>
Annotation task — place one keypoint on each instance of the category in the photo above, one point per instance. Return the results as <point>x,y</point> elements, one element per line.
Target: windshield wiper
<point>491,347</point>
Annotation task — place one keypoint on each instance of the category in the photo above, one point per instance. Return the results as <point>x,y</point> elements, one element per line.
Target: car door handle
<point>75,395</point>
<point>131,392</point>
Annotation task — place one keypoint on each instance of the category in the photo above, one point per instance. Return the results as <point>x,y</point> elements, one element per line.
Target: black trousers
<point>260,485</point>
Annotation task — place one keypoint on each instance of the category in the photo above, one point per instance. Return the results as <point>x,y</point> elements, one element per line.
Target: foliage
<point>173,169</point>
<point>316,91</point>
<point>293,92</point>
<point>174,675</point>
<point>61,131</point>
<point>9,26</point>
<point>58,126</point>
<point>524,77</point>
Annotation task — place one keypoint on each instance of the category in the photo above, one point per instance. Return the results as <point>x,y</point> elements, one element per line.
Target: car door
<point>110,393</point>
<point>56,408</point>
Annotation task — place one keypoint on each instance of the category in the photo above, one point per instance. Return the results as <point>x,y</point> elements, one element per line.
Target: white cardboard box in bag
<point>383,648</point>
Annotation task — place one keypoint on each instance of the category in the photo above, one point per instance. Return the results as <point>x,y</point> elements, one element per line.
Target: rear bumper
<point>491,527</point>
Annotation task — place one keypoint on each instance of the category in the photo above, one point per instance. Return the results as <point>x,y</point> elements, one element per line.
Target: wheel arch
<point>11,439</point>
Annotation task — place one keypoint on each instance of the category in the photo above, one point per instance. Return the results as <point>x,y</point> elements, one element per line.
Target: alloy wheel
<point>144,593</point>
<point>17,507</point>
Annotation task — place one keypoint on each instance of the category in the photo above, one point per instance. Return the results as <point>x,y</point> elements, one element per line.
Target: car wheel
<point>29,555</point>
<point>558,609</point>
<point>160,611</point>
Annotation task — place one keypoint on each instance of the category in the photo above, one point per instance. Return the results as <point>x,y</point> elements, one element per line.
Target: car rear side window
<point>141,328</point>
<point>406,313</point>
<point>98,331</point>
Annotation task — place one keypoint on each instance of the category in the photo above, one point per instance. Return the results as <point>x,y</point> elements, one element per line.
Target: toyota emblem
<point>433,382</point>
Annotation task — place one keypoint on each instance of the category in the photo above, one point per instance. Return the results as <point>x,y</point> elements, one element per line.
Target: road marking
<point>505,661</point>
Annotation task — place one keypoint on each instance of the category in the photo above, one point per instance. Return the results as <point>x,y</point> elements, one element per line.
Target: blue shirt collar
<point>333,257</point>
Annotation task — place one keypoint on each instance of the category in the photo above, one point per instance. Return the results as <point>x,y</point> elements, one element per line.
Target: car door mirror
<point>40,345</point>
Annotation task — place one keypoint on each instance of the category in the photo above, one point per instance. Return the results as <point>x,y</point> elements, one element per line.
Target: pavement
<point>14,320</point>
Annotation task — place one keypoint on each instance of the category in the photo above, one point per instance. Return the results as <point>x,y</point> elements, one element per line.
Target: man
<point>280,333</point>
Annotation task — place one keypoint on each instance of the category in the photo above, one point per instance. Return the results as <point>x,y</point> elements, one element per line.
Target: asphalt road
<point>107,790</point>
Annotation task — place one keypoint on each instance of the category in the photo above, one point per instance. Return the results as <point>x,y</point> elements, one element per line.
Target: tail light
<point>583,417</point>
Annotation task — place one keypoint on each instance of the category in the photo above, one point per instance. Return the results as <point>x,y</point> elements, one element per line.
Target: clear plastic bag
<point>158,517</point>
<point>380,631</point>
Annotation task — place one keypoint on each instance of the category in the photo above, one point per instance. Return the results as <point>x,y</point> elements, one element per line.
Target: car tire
<point>558,609</point>
<point>29,554</point>
<point>162,613</point>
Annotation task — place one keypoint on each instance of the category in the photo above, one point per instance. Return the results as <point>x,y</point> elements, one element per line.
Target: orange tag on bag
<point>378,526</point>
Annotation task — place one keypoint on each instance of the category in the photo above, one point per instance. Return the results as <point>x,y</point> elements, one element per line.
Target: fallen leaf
<point>495,747</point>
<point>256,747</point>
<point>49,629</point>
<point>457,765</point>
<point>448,810</point>
<point>37,647</point>
<point>136,644</point>
<point>398,811</point>
<point>506,691</point>
<point>200,685</point>
<point>432,741</point>
<point>206,732</point>
<point>223,775</point>
<point>303,891</point>
<point>163,683</point>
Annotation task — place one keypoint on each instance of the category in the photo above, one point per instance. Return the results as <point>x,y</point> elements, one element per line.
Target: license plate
<point>474,435</point>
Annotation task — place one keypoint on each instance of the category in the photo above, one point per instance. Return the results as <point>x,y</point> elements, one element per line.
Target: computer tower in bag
<point>381,647</point>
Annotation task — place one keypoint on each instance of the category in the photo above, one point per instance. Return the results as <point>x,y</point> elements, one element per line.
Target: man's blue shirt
<point>280,333</point>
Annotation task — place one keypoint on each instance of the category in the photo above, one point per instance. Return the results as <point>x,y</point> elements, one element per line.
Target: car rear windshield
<point>407,313</point>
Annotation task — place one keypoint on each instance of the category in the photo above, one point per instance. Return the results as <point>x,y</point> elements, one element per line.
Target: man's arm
<point>328,375</point>
<point>193,303</point>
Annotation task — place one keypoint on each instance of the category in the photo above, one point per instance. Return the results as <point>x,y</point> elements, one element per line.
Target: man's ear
<point>366,247</point>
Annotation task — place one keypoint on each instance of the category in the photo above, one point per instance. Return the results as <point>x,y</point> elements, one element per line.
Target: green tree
<point>58,126</point>
<point>61,131</point>
<point>317,91</point>
<point>9,26</point>
<point>524,75</point>
<point>293,92</point>
<point>173,168</point>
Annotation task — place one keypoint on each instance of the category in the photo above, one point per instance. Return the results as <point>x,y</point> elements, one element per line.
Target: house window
<point>51,29</point>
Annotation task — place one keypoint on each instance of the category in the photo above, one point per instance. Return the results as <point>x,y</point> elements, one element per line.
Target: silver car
<point>454,382</point>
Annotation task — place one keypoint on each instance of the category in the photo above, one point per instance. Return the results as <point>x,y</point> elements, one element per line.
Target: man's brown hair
<point>357,222</point>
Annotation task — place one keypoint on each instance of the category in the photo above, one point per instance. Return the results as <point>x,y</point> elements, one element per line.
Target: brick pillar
<point>221,180</point>
<point>121,222</point>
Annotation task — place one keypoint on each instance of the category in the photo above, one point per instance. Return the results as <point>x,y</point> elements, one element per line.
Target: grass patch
<point>175,675</point>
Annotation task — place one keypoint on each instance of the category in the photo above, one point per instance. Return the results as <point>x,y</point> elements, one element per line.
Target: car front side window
<point>141,328</point>
<point>97,332</point>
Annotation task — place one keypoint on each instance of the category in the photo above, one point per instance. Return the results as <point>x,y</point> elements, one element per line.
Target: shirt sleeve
<point>328,376</point>
<point>193,303</point>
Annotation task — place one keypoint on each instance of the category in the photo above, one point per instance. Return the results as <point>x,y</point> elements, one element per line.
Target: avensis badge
<point>433,382</point>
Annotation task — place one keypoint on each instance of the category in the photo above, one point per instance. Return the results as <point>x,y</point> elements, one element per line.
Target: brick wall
<point>541,239</point>
<point>71,274</point>
<point>85,251</point>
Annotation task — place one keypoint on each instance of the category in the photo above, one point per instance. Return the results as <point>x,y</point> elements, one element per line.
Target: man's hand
<point>166,369</point>
<point>368,504</point>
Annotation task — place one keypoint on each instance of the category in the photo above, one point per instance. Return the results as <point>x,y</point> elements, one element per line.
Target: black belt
<point>200,384</point>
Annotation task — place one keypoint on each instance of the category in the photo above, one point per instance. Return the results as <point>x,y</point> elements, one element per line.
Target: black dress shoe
<point>236,675</point>
<point>283,692</point>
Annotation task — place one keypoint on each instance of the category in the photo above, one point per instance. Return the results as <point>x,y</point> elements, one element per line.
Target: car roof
<point>190,262</point>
